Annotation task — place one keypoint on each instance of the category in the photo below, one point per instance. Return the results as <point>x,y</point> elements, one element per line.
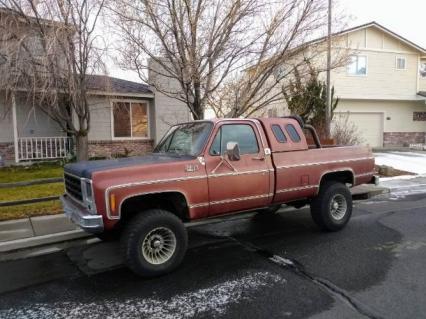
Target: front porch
<point>28,134</point>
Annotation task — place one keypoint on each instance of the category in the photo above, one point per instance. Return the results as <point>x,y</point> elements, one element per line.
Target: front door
<point>237,185</point>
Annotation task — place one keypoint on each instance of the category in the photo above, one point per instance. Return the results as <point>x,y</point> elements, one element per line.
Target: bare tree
<point>51,47</point>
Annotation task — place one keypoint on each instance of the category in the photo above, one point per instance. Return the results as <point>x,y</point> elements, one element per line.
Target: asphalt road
<point>260,267</point>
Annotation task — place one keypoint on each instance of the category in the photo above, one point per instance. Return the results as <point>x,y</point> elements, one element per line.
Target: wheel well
<point>345,177</point>
<point>173,202</point>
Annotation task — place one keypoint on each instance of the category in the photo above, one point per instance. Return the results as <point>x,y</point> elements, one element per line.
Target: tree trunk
<point>82,147</point>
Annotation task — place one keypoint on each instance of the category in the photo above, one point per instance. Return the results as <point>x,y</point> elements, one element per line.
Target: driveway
<point>259,267</point>
<point>413,162</point>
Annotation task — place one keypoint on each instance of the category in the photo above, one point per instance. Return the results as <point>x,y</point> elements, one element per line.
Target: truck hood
<point>87,168</point>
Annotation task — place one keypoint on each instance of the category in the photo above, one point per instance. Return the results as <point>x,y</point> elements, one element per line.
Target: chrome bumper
<point>81,217</point>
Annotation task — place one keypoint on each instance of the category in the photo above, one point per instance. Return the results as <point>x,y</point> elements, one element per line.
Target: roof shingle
<point>106,83</point>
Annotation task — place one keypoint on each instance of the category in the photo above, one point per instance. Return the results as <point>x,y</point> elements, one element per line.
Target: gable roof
<point>382,28</point>
<point>103,84</point>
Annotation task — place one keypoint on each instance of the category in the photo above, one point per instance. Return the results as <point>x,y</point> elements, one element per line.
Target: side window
<point>279,134</point>
<point>215,148</point>
<point>241,133</point>
<point>291,130</point>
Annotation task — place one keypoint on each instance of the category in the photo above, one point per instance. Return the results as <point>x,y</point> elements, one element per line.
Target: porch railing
<point>39,148</point>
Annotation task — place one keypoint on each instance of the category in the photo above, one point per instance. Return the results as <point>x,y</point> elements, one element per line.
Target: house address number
<point>419,116</point>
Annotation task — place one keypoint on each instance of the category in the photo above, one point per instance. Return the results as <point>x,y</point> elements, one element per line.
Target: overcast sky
<point>407,18</point>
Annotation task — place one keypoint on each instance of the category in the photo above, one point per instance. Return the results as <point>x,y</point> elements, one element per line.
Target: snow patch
<point>214,301</point>
<point>409,162</point>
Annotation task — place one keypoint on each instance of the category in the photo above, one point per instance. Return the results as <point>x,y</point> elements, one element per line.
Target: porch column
<point>15,128</point>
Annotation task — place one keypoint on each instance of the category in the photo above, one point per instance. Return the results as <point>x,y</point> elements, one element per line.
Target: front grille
<point>73,187</point>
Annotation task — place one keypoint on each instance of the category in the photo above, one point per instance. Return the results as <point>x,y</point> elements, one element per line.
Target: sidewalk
<point>37,231</point>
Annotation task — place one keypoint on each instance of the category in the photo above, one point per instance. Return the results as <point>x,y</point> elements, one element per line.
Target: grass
<point>26,173</point>
<point>32,191</point>
<point>28,192</point>
<point>30,210</point>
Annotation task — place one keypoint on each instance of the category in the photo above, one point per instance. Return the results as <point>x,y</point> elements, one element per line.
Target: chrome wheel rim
<point>159,245</point>
<point>338,206</point>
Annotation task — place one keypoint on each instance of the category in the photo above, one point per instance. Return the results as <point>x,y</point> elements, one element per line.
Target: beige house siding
<point>380,81</point>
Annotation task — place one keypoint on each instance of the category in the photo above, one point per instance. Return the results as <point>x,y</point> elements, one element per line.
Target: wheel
<point>269,210</point>
<point>154,243</point>
<point>332,208</point>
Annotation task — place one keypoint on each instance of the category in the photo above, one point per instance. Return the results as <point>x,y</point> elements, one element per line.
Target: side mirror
<point>233,151</point>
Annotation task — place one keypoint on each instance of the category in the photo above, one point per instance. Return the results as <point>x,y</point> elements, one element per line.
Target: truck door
<point>242,184</point>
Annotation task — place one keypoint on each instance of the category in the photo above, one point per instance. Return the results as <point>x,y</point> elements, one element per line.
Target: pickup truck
<point>204,169</point>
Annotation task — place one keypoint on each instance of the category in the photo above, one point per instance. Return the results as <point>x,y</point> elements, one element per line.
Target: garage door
<point>370,126</point>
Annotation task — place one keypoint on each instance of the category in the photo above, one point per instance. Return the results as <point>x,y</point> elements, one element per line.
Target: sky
<point>406,18</point>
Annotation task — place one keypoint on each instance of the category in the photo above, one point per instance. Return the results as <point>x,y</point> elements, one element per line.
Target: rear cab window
<point>278,133</point>
<point>291,130</point>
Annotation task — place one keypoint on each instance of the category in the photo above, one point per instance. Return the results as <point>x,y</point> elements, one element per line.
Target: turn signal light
<point>112,203</point>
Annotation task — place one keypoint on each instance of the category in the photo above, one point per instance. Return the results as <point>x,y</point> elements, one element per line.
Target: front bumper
<point>81,217</point>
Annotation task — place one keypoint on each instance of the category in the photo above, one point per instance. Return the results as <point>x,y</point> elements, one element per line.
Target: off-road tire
<point>139,229</point>
<point>322,212</point>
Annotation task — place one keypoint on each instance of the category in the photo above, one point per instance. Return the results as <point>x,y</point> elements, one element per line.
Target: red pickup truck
<point>204,169</point>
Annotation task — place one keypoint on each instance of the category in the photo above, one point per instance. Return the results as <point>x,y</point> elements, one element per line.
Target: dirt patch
<point>388,171</point>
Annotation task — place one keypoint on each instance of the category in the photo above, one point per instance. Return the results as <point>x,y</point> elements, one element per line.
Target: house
<point>127,118</point>
<point>382,89</point>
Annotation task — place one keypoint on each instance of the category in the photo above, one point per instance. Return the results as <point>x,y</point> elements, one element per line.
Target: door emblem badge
<point>191,168</point>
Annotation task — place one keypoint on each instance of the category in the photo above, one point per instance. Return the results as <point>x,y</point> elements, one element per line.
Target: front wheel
<point>332,208</point>
<point>154,243</point>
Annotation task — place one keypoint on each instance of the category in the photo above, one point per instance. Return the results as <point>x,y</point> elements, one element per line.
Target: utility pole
<point>328,109</point>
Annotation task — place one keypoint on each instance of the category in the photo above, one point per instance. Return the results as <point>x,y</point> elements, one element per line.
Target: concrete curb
<point>16,244</point>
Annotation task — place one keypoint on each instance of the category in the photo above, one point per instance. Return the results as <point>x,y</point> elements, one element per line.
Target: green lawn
<point>26,173</point>
<point>30,210</point>
<point>32,191</point>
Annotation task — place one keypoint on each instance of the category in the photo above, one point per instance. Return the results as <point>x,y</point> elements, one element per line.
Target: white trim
<point>139,95</point>
<point>396,62</point>
<point>131,138</point>
<point>293,189</point>
<point>324,163</point>
<point>15,128</point>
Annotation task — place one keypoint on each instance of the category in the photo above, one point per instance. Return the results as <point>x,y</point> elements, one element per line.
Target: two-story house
<point>126,117</point>
<point>383,86</point>
<point>382,89</point>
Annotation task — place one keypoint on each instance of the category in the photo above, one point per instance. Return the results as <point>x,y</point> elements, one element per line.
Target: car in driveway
<point>212,168</point>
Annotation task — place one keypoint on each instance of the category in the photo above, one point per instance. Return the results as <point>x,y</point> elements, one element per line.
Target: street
<point>251,267</point>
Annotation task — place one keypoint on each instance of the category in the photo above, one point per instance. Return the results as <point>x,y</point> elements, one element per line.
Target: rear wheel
<point>332,208</point>
<point>154,243</point>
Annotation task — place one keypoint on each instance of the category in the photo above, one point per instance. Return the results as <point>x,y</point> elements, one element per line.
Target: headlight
<point>88,196</point>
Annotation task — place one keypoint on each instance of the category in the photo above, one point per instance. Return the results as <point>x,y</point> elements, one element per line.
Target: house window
<point>422,70</point>
<point>130,120</point>
<point>357,65</point>
<point>401,63</point>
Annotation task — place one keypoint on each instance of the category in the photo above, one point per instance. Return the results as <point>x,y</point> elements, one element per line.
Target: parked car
<point>206,169</point>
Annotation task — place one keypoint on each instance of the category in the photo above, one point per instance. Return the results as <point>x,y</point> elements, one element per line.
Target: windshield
<point>185,139</point>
